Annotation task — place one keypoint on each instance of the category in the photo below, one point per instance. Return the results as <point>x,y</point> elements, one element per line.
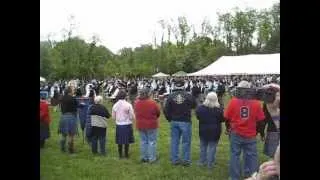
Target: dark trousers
<point>98,136</point>
<point>220,100</point>
<point>102,143</point>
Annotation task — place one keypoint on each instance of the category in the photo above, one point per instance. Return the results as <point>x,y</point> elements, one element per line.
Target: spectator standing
<point>178,112</point>
<point>123,113</point>
<point>210,117</point>
<point>147,115</point>
<point>241,117</point>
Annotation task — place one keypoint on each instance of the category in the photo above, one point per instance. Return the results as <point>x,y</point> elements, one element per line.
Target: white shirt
<point>88,90</point>
<point>185,84</point>
<point>167,90</point>
<point>154,85</point>
<point>115,93</point>
<point>209,84</point>
<point>122,112</point>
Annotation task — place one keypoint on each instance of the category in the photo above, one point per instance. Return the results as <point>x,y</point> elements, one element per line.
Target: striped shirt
<point>98,121</point>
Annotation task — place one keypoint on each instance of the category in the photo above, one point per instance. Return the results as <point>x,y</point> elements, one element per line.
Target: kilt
<point>68,124</point>
<point>271,143</point>
<point>82,116</point>
<point>124,134</point>
<point>44,131</point>
<point>83,107</point>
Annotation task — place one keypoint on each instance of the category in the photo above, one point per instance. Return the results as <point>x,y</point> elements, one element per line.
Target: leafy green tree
<point>181,47</point>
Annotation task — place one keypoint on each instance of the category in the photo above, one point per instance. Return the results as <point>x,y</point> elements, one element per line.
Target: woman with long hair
<point>210,117</point>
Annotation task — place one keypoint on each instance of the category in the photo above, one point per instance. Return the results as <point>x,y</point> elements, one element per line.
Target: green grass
<point>55,165</point>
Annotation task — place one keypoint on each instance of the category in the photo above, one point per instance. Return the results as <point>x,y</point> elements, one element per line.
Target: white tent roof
<point>42,79</point>
<point>247,64</point>
<point>160,74</point>
<point>180,73</point>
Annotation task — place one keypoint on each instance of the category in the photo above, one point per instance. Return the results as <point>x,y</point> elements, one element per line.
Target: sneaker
<point>154,161</point>
<point>186,164</point>
<point>176,163</point>
<point>144,161</point>
<point>201,164</point>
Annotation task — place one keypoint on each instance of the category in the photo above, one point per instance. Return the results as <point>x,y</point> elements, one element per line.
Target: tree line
<point>238,32</point>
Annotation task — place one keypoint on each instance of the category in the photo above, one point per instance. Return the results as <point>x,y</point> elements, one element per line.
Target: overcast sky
<point>129,23</point>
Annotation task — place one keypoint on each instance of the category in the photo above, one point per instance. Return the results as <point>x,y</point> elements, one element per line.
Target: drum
<point>161,97</point>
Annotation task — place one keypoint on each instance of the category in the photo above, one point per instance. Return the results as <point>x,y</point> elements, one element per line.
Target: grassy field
<point>55,165</point>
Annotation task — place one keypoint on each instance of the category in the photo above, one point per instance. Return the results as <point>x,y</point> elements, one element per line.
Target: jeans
<point>102,144</point>
<point>207,152</point>
<point>148,144</point>
<point>250,156</point>
<point>179,129</point>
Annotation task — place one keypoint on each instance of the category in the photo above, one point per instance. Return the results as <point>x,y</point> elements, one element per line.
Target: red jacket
<point>44,112</point>
<point>147,113</point>
<point>243,116</point>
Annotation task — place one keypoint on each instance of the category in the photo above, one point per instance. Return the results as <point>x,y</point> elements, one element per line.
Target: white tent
<point>42,79</point>
<point>180,73</point>
<point>160,74</point>
<point>247,64</point>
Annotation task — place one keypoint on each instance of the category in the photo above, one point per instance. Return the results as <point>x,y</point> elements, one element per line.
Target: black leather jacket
<point>179,105</point>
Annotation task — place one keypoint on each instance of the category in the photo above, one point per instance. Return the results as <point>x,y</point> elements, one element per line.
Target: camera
<point>262,94</point>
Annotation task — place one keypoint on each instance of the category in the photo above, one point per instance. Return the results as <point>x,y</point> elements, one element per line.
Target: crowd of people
<point>136,100</point>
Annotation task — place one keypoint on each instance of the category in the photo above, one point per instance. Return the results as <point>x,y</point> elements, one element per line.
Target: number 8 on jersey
<point>244,112</point>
